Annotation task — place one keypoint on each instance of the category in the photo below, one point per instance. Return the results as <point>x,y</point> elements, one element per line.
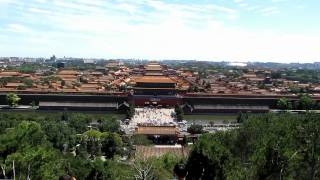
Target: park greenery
<point>27,82</point>
<point>48,145</point>
<point>301,75</point>
<point>305,102</point>
<point>195,129</point>
<point>43,145</point>
<point>39,145</point>
<point>26,67</point>
<point>267,146</point>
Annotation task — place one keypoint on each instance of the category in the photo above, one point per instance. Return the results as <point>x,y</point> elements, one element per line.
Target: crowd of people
<point>153,116</point>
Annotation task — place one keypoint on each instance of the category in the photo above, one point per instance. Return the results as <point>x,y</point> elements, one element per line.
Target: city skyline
<point>236,30</point>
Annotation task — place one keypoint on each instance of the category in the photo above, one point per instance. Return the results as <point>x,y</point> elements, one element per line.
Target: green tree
<point>195,129</point>
<point>78,167</point>
<point>209,158</point>
<point>308,148</point>
<point>179,112</point>
<point>65,115</point>
<point>111,144</point>
<point>33,104</point>
<point>24,135</point>
<point>163,166</point>
<point>63,83</point>
<point>28,83</point>
<point>242,117</point>
<point>21,87</point>
<point>36,163</point>
<point>98,143</point>
<point>79,122</point>
<point>92,141</point>
<point>284,104</point>
<point>130,111</point>
<point>12,99</point>
<point>267,146</point>
<point>306,102</point>
<point>60,135</point>
<point>110,125</point>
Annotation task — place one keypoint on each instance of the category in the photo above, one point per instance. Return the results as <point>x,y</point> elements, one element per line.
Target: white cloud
<point>132,9</point>
<point>37,10</point>
<point>268,11</point>
<point>4,2</point>
<point>243,4</point>
<point>18,28</point>
<point>254,7</point>
<point>276,1</point>
<point>41,1</point>
<point>172,38</point>
<point>169,31</point>
<point>301,7</point>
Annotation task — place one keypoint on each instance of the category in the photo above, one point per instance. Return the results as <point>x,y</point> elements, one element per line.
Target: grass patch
<point>211,117</point>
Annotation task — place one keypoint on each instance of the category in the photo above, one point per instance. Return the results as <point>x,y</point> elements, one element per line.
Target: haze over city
<point>236,30</point>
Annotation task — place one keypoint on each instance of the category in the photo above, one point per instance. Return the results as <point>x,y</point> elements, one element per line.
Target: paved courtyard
<point>154,116</point>
<point>151,116</point>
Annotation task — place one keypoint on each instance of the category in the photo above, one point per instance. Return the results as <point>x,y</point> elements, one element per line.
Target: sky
<point>230,30</point>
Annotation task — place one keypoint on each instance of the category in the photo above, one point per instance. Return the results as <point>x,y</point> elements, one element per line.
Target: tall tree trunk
<point>14,171</point>
<point>28,177</point>
<point>3,168</point>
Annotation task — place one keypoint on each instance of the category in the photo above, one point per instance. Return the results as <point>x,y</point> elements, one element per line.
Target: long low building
<point>157,130</point>
<point>216,108</point>
<point>193,105</point>
<point>159,134</point>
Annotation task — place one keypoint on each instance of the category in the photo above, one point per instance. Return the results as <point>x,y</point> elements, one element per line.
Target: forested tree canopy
<point>271,146</point>
<point>50,145</point>
<point>45,146</point>
<point>305,102</point>
<point>265,146</point>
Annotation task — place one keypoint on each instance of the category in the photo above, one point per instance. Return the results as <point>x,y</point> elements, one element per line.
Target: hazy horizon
<point>223,30</point>
<point>134,59</point>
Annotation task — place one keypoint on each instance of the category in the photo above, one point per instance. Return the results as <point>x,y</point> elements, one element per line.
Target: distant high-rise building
<point>60,65</point>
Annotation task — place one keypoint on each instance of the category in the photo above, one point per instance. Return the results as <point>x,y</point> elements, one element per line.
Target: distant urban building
<point>60,65</point>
